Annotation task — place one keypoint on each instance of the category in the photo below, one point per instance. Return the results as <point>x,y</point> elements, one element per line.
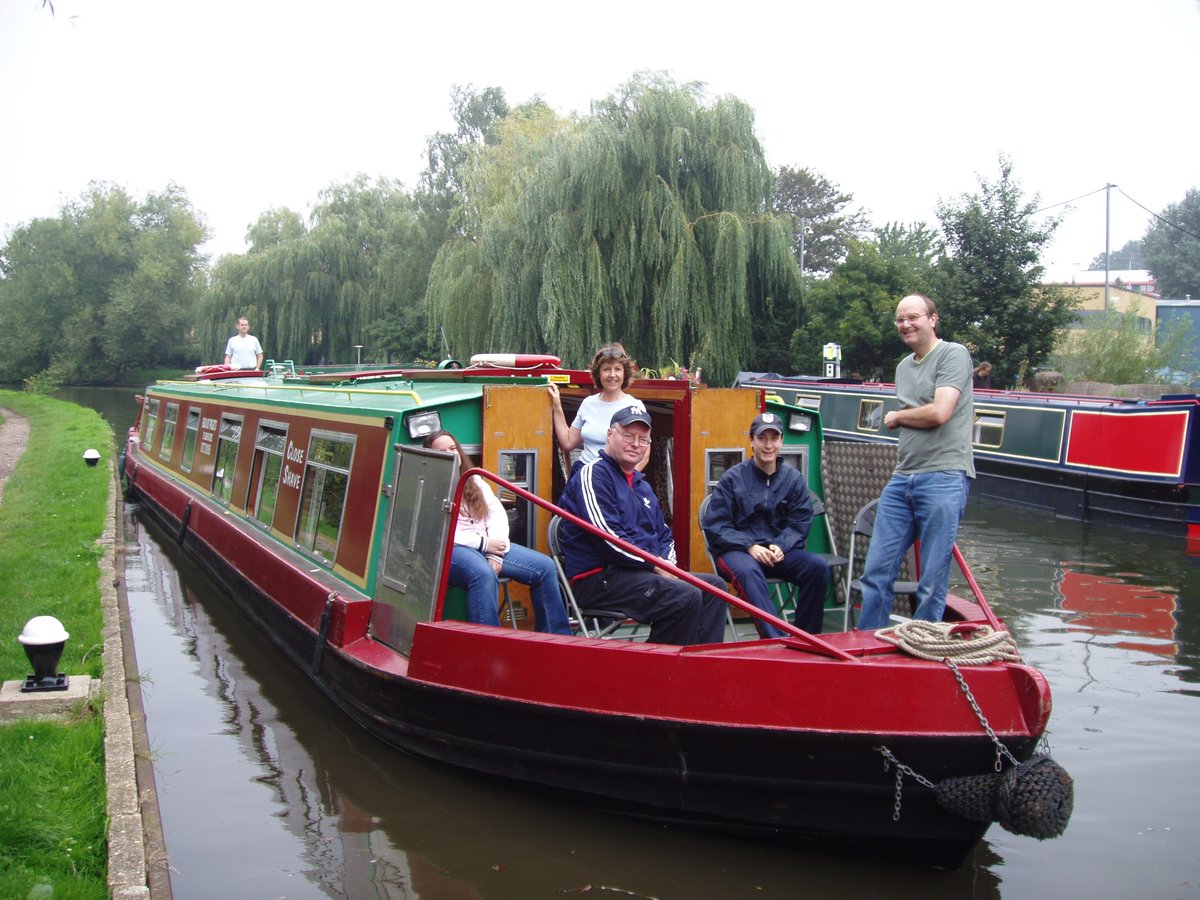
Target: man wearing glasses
<point>926,496</point>
<point>610,493</point>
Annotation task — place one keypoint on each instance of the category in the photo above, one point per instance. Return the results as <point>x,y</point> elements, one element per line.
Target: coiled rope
<point>965,644</point>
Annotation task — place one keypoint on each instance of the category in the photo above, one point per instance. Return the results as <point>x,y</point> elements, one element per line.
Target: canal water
<point>267,790</point>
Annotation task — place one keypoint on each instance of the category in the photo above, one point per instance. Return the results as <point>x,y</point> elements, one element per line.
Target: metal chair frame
<point>864,527</point>
<point>605,623</point>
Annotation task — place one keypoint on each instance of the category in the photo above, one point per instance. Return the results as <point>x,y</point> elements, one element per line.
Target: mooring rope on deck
<point>968,645</point>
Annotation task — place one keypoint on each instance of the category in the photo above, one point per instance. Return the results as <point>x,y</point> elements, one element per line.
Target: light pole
<point>358,347</point>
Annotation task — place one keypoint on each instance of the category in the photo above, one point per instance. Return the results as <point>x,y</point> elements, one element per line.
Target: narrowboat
<point>310,498</point>
<point>1129,463</point>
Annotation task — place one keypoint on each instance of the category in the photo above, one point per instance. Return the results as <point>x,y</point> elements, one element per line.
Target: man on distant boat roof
<point>243,351</point>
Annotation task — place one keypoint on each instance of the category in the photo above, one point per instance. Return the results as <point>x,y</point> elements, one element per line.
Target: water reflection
<point>1118,603</point>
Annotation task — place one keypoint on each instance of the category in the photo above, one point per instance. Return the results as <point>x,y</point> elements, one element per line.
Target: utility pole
<point>1107,221</point>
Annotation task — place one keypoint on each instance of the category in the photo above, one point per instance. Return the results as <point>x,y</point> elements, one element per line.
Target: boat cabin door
<point>518,445</point>
<point>414,542</point>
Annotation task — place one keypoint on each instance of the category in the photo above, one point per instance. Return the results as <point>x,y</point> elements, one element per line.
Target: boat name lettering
<point>294,453</point>
<point>209,424</point>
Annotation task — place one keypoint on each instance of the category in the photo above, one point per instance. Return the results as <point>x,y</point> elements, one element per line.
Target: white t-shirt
<point>593,419</point>
<point>243,351</point>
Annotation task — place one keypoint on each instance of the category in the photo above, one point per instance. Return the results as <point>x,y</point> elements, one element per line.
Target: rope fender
<point>1034,798</point>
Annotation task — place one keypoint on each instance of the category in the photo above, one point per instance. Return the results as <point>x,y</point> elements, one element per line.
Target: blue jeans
<point>807,571</point>
<point>925,507</point>
<point>471,571</point>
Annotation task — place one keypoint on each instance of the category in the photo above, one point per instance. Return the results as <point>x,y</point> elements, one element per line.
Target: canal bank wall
<point>137,859</point>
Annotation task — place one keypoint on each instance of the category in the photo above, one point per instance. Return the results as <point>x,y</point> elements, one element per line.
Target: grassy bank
<point>53,824</point>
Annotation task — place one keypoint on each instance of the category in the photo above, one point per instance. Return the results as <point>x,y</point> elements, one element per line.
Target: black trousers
<point>678,612</point>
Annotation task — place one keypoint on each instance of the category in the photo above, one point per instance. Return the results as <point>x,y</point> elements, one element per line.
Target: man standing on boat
<point>243,351</point>
<point>757,523</point>
<point>927,494</point>
<point>610,493</point>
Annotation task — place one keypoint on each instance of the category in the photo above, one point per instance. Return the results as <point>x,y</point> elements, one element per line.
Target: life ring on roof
<point>513,360</point>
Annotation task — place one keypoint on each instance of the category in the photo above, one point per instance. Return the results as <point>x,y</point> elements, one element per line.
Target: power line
<point>1166,222</point>
<point>1072,200</point>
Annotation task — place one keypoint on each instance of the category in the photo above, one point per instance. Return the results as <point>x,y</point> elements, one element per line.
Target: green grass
<point>53,823</point>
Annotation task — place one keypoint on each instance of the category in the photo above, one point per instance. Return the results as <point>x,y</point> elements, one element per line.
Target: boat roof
<point>377,396</point>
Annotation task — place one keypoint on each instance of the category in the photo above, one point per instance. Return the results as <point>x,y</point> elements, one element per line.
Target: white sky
<point>256,104</point>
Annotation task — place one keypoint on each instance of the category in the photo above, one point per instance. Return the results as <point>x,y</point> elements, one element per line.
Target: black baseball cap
<point>766,421</point>
<point>630,414</point>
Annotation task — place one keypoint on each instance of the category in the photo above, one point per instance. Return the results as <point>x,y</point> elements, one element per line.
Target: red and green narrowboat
<point>310,498</point>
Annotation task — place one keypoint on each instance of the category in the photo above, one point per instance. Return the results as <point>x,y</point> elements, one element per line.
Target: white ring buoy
<point>514,360</point>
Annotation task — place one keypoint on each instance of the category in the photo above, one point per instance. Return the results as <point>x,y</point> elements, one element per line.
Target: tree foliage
<point>1114,347</point>
<point>355,275</point>
<point>1130,256</point>
<point>821,224</point>
<point>989,293</point>
<point>646,222</point>
<point>107,287</point>
<point>855,306</point>
<point>1172,246</point>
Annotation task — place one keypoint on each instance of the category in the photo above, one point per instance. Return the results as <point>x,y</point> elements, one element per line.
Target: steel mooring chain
<point>901,771</point>
<point>1001,750</point>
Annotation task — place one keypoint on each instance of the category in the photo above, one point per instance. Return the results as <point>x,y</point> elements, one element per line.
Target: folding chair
<point>864,527</point>
<point>603,622</point>
<point>837,564</point>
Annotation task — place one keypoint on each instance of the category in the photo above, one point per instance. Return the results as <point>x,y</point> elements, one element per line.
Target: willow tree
<point>314,292</point>
<point>646,222</point>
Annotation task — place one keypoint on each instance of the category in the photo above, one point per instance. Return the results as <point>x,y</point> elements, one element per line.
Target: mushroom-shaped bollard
<point>44,638</point>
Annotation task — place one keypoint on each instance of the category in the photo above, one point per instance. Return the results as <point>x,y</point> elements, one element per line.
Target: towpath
<point>14,435</point>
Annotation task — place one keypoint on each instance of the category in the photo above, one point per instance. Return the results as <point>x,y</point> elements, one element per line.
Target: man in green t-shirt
<point>926,496</point>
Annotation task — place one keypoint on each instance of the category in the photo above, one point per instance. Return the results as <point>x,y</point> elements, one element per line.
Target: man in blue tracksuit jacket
<point>757,524</point>
<point>611,494</point>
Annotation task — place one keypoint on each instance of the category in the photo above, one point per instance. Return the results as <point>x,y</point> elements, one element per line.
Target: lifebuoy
<point>514,360</point>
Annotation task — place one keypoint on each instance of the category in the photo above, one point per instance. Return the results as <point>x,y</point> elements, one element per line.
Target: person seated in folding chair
<point>483,554</point>
<point>610,493</point>
<point>756,525</point>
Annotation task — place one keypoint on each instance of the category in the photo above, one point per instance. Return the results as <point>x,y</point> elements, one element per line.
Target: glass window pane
<point>189,439</point>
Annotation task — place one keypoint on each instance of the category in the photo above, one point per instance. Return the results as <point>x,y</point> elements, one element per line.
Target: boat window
<point>989,428</point>
<point>717,463</point>
<point>227,448</point>
<point>797,458</point>
<point>168,434</point>
<point>807,401</point>
<point>151,419</point>
<point>323,495</point>
<point>269,448</point>
<point>519,467</point>
<point>870,415</point>
<point>189,439</point>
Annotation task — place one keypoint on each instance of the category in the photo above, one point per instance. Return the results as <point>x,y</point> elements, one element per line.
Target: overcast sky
<point>257,104</point>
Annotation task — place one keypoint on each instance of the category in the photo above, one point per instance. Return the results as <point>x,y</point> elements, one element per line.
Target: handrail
<point>812,641</point>
<point>976,589</point>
